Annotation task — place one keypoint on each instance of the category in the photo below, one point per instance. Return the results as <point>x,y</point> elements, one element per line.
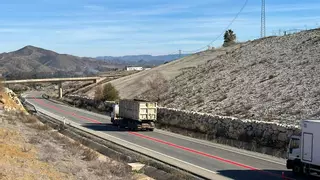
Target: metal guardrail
<point>28,106</point>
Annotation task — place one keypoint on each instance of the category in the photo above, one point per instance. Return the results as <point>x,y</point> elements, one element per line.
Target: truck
<point>303,154</point>
<point>134,114</point>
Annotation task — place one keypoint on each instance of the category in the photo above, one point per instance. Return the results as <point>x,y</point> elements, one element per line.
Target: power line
<point>244,5</point>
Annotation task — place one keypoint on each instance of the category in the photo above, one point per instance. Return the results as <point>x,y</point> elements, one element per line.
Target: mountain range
<point>141,60</point>
<point>34,62</point>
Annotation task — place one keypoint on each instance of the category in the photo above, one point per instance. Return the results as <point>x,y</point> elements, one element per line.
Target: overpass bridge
<point>58,81</point>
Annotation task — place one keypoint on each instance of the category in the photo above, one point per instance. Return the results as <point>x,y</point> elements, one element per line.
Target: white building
<point>134,68</point>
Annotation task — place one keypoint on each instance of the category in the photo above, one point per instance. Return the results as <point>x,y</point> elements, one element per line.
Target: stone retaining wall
<point>263,134</point>
<point>265,137</point>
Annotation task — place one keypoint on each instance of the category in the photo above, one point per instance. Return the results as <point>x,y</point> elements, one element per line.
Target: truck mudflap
<point>289,164</point>
<point>145,126</point>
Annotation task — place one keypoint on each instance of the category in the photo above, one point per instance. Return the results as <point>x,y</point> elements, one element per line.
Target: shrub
<point>89,155</point>
<point>110,93</point>
<point>229,38</point>
<point>158,87</point>
<point>40,127</point>
<point>29,119</point>
<point>98,94</point>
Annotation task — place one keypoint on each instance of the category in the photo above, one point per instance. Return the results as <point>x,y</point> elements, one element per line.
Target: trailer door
<point>307,147</point>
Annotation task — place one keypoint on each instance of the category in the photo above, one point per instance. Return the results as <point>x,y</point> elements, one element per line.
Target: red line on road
<point>65,112</point>
<point>208,155</point>
<point>195,151</point>
<point>168,143</point>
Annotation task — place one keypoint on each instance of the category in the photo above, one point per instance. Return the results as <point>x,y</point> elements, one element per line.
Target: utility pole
<point>263,18</point>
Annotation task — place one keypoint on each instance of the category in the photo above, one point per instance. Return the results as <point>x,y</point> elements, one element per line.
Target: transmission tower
<point>263,18</point>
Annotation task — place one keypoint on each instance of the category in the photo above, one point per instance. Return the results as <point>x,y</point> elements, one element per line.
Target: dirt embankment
<point>31,150</point>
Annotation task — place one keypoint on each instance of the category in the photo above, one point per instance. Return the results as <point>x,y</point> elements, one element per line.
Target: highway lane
<point>232,163</point>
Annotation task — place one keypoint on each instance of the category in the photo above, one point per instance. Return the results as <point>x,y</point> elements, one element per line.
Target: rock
<point>282,137</point>
<point>136,166</point>
<point>101,107</point>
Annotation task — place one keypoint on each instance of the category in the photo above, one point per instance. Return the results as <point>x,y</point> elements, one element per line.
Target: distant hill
<point>34,62</point>
<point>140,60</point>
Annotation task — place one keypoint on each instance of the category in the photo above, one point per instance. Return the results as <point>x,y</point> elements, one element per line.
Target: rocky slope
<point>275,78</point>
<point>9,101</point>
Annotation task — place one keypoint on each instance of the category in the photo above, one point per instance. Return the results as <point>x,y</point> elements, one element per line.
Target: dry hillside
<point>135,84</point>
<point>274,79</point>
<point>31,150</point>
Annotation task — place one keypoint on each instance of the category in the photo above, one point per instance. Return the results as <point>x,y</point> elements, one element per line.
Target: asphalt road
<point>220,160</point>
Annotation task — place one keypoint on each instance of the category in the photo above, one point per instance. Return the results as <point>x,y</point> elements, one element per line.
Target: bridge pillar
<point>60,89</point>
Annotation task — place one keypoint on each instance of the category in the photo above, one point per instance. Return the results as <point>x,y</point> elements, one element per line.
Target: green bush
<point>110,93</point>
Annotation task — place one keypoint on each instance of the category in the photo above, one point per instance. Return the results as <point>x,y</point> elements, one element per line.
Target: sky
<point>129,27</point>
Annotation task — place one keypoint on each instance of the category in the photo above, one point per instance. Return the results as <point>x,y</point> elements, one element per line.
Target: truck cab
<point>293,155</point>
<point>114,113</point>
<point>303,153</point>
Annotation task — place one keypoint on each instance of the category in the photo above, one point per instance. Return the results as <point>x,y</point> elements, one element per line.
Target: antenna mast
<point>263,18</point>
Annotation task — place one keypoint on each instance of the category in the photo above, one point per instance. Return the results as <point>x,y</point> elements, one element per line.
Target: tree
<point>158,86</point>
<point>229,38</point>
<point>98,93</point>
<point>110,93</point>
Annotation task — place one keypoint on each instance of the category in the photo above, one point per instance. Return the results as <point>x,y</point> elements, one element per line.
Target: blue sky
<point>127,27</point>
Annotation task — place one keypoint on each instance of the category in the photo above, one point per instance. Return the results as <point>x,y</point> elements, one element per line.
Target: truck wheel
<point>151,129</point>
<point>297,170</point>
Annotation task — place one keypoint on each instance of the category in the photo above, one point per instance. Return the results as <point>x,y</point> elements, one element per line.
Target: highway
<point>218,161</point>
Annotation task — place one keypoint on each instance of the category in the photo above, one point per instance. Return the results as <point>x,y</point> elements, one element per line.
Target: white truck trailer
<point>134,114</point>
<point>304,150</point>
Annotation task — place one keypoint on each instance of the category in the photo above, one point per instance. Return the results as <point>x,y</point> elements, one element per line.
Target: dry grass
<point>40,127</point>
<point>51,153</point>
<point>26,148</point>
<point>90,155</point>
<point>20,159</point>
<point>29,119</point>
<point>35,140</point>
<point>110,167</point>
